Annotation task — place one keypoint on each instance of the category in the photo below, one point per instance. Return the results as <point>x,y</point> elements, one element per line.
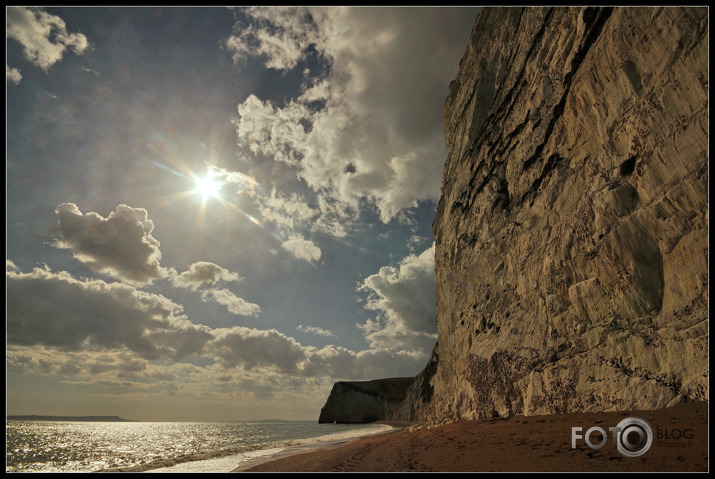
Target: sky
<point>216,213</point>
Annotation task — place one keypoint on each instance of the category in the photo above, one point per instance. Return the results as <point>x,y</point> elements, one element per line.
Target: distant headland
<point>34,417</point>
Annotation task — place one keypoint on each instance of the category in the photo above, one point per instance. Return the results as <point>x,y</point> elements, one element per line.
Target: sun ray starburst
<point>207,187</point>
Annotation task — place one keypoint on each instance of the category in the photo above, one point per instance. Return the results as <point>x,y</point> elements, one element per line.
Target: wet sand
<point>519,443</point>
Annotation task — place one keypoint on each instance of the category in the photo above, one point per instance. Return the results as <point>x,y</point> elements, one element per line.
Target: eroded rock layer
<point>365,401</point>
<point>571,237</point>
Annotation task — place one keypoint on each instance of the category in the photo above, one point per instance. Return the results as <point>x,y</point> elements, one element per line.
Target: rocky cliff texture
<point>571,237</point>
<point>365,401</point>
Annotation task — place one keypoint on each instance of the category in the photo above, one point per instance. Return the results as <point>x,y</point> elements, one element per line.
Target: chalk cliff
<point>571,237</point>
<point>571,253</point>
<point>365,401</point>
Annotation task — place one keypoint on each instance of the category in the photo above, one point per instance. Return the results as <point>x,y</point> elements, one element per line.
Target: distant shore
<point>519,444</point>
<point>34,417</point>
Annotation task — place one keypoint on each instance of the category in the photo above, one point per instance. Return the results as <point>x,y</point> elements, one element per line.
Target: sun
<point>207,187</point>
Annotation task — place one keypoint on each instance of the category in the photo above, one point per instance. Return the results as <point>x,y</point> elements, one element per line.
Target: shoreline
<point>298,449</point>
<point>290,451</point>
<point>517,443</point>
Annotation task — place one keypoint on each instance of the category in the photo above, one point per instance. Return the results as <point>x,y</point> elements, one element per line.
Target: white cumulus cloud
<point>289,211</point>
<point>203,272</point>
<point>302,248</point>
<point>283,45</point>
<point>364,128</point>
<point>235,305</point>
<point>405,299</point>
<point>120,245</point>
<point>44,37</point>
<point>315,330</point>
<point>13,74</point>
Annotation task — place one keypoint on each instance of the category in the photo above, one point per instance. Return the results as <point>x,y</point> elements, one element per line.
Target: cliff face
<point>571,254</point>
<point>365,401</point>
<point>571,237</point>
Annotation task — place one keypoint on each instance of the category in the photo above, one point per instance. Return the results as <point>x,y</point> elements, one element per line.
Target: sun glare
<point>207,187</point>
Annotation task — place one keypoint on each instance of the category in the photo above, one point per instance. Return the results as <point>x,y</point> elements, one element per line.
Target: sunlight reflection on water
<point>47,446</point>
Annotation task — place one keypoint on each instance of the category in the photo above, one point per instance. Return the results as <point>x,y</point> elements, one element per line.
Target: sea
<point>78,446</point>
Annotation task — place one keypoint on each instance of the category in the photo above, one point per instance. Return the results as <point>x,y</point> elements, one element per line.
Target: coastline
<point>298,449</point>
<point>518,444</point>
<point>35,417</point>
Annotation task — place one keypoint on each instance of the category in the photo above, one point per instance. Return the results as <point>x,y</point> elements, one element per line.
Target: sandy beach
<point>519,444</point>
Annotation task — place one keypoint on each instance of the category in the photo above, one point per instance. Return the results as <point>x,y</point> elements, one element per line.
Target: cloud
<point>246,182</point>
<point>358,132</point>
<point>341,363</point>
<point>405,299</point>
<point>122,363</point>
<point>268,130</point>
<point>113,335</point>
<point>200,273</point>
<point>120,245</point>
<point>288,211</point>
<point>56,310</point>
<point>139,389</point>
<point>270,350</point>
<point>283,45</point>
<point>315,330</point>
<point>415,240</point>
<point>44,37</point>
<point>13,74</point>
<point>235,305</point>
<point>252,348</point>
<point>302,248</point>
<point>291,211</point>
